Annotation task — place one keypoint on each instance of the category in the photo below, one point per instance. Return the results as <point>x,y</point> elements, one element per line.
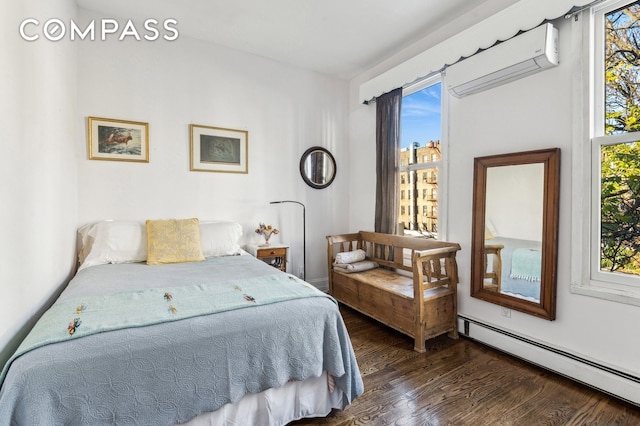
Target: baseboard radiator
<point>601,377</point>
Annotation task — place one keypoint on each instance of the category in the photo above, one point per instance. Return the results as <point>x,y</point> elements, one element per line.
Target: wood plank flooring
<point>462,383</point>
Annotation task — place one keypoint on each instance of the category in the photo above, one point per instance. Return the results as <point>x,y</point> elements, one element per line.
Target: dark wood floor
<point>462,383</point>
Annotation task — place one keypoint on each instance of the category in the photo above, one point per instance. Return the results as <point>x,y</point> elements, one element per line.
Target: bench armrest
<point>340,243</point>
<point>434,268</point>
<point>337,244</point>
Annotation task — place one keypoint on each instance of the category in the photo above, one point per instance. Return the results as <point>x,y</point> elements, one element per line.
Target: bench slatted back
<point>395,252</point>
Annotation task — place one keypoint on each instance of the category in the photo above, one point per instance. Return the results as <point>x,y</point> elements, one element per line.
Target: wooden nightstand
<point>273,254</point>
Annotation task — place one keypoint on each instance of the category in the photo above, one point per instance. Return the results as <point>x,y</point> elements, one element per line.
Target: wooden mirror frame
<point>551,196</point>
<point>309,180</point>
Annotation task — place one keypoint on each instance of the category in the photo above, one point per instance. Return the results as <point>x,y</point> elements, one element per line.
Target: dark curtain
<point>387,146</point>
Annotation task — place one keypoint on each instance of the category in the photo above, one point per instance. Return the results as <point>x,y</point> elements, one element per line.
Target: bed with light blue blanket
<point>159,345</point>
<point>521,267</point>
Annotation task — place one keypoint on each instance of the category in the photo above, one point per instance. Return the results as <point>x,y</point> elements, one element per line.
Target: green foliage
<point>620,207</point>
<point>620,164</point>
<point>622,70</point>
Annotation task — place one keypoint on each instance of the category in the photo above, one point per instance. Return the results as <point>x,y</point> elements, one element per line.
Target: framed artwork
<point>118,140</point>
<point>216,149</point>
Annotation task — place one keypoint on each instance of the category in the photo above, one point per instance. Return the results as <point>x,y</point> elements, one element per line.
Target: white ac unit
<point>524,54</point>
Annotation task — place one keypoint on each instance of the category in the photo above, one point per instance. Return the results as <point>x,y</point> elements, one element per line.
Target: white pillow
<point>117,241</point>
<point>112,241</point>
<point>219,238</point>
<point>346,257</point>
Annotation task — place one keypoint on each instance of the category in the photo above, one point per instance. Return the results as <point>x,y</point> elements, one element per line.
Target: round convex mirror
<point>317,167</point>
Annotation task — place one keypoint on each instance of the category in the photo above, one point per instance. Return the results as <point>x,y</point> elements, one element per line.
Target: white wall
<point>531,113</point>
<point>37,167</point>
<point>172,84</point>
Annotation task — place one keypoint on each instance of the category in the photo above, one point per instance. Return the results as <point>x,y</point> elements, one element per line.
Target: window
<point>421,156</point>
<point>613,232</point>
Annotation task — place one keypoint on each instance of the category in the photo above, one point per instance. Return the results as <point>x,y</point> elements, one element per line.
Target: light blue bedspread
<point>169,372</point>
<point>527,289</point>
<point>526,264</point>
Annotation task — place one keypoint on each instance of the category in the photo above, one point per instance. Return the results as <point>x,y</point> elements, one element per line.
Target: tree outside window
<point>620,162</point>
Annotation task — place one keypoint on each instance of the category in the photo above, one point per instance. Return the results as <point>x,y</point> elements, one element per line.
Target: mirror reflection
<point>515,230</point>
<point>317,167</point>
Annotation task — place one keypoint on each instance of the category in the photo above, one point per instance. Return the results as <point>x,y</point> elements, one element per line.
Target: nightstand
<point>273,254</point>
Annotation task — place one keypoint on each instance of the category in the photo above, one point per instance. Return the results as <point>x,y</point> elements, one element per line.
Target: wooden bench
<point>413,291</point>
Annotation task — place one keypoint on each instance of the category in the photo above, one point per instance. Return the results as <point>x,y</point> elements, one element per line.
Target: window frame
<point>589,136</point>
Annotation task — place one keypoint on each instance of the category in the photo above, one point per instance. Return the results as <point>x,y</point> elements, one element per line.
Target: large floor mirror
<point>515,230</point>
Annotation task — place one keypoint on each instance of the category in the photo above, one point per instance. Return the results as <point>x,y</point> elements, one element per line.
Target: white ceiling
<point>337,37</point>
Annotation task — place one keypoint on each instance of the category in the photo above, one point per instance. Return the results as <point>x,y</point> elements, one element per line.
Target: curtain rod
<point>573,13</point>
<point>417,82</point>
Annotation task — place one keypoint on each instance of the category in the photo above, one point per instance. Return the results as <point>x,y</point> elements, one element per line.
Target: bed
<point>223,339</point>
<point>519,263</point>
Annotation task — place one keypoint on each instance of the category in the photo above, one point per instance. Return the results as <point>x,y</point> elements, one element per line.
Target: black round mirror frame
<point>326,180</point>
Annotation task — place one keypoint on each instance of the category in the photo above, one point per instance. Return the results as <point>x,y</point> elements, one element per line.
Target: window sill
<point>602,290</point>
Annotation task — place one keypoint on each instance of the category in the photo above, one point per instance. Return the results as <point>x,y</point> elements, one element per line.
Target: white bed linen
<point>293,401</point>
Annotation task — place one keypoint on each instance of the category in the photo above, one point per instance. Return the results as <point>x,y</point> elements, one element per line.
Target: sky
<point>420,116</point>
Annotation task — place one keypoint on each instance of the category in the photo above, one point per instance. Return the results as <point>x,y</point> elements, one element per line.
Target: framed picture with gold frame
<point>118,140</point>
<point>216,149</point>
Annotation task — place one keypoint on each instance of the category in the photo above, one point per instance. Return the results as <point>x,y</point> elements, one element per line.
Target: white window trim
<point>586,278</point>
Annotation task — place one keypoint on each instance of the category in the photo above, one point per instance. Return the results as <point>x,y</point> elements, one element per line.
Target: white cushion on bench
<point>349,268</point>
<point>347,257</point>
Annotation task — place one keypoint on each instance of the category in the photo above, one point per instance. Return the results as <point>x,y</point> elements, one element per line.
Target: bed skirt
<point>314,397</point>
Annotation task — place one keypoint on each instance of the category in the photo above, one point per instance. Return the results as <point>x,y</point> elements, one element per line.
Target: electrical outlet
<point>506,312</point>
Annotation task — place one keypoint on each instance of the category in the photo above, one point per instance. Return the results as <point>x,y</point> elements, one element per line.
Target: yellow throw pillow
<point>173,241</point>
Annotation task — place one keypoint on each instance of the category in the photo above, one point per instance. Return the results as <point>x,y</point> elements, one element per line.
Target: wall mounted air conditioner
<point>524,54</point>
